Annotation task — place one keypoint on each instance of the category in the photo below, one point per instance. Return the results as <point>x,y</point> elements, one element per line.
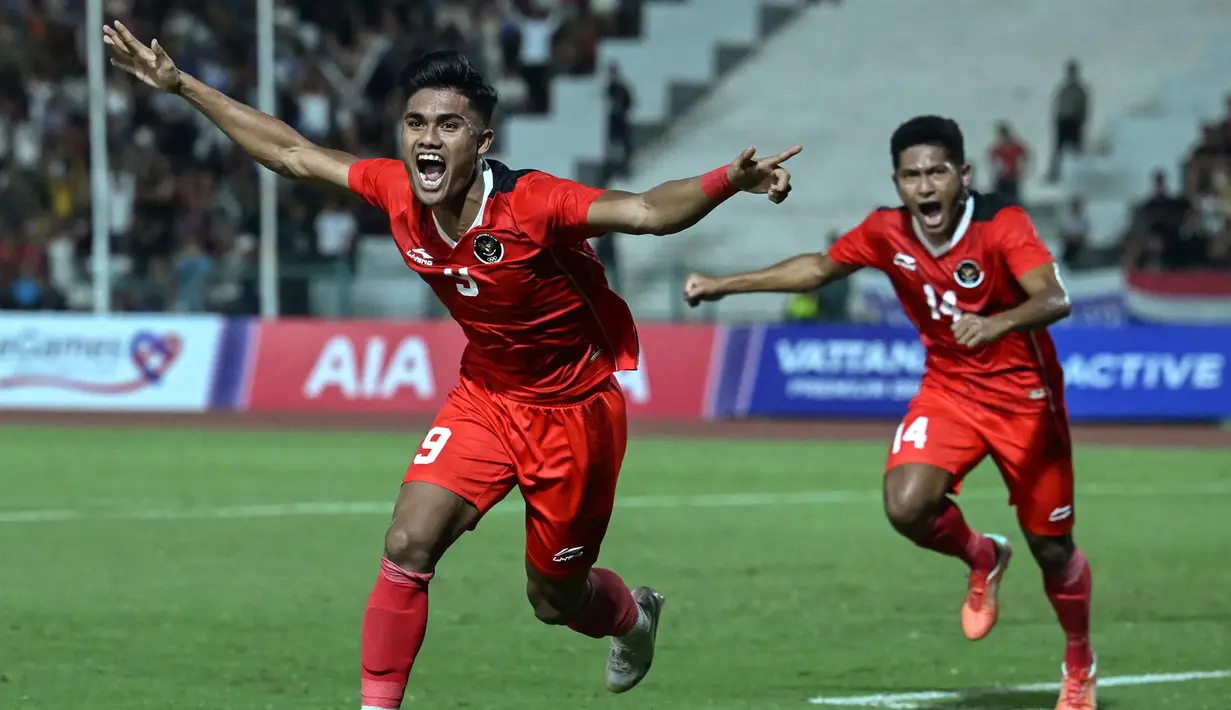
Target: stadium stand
<point>822,83</point>
<point>701,81</point>
<point>183,199</point>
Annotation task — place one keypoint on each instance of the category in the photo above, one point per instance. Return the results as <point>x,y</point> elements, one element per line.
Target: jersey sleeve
<point>1022,248</point>
<point>553,211</point>
<point>858,246</point>
<point>382,182</point>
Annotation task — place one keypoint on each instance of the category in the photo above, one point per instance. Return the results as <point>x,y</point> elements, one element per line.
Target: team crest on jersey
<point>968,273</point>
<point>488,249</point>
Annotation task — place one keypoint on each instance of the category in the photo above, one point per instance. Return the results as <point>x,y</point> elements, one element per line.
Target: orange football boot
<point>1078,692</point>
<point>982,607</point>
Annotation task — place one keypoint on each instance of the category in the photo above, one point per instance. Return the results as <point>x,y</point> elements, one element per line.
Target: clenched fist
<point>698,288</point>
<point>973,331</point>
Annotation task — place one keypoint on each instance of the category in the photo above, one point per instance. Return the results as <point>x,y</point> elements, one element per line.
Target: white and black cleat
<point>632,655</point>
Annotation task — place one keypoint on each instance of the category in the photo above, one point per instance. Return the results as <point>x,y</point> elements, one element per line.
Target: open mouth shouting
<point>431,171</point>
<point>931,215</point>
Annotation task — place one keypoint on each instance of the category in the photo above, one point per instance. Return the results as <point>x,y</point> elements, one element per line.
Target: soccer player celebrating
<point>538,406</point>
<point>981,288</point>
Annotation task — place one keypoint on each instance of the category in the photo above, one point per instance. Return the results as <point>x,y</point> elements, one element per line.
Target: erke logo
<point>905,261</point>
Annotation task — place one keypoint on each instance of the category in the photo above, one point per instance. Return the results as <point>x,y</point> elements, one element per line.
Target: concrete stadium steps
<point>840,79</point>
<point>685,47</point>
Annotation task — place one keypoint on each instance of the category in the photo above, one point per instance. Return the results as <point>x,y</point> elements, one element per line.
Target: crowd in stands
<point>1189,226</point>
<point>184,200</point>
<point>1183,227</point>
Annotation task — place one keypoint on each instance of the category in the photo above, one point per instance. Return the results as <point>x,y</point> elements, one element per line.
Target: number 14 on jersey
<point>946,305</point>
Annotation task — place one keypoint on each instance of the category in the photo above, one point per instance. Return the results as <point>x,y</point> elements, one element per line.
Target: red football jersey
<point>528,291</point>
<point>977,272</point>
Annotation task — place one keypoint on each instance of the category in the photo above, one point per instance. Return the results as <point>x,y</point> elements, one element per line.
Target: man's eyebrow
<point>439,117</point>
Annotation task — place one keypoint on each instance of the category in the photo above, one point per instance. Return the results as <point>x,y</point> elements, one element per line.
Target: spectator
<point>1220,186</point>
<point>1070,114</point>
<point>1074,233</point>
<point>192,269</point>
<point>1189,248</point>
<point>1162,212</point>
<point>1147,253</point>
<point>1226,119</point>
<point>336,230</point>
<point>1210,207</point>
<point>619,121</point>
<point>231,280</point>
<point>1219,253</point>
<point>537,29</point>
<point>1010,158</point>
<point>156,292</point>
<point>1211,155</point>
<point>31,292</point>
<point>314,106</point>
<point>576,48</point>
<point>62,271</point>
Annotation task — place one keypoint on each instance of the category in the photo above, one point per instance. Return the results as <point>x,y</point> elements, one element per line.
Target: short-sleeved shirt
<point>978,271</point>
<point>529,293</point>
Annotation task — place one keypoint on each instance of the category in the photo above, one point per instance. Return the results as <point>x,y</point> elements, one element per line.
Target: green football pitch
<point>147,568</point>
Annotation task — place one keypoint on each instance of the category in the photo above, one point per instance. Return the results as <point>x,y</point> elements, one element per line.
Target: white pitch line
<point>719,500</point>
<point>922,699</point>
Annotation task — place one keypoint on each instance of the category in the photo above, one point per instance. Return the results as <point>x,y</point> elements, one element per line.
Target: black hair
<point>447,69</point>
<point>929,130</point>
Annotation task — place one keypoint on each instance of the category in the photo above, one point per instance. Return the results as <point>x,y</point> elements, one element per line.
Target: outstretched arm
<point>805,272</point>
<point>269,141</point>
<point>679,204</point>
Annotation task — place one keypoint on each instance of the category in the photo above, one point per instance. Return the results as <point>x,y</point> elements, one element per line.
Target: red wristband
<point>716,184</point>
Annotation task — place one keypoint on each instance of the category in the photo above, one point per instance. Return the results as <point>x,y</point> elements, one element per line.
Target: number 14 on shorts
<point>916,433</point>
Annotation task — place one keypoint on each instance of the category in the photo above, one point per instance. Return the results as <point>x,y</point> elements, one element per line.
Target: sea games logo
<point>90,364</point>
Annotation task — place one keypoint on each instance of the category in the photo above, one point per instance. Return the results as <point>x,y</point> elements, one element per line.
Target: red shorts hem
<point>484,501</point>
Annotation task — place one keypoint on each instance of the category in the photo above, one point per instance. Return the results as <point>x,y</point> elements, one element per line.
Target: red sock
<point>393,628</point>
<point>950,535</point>
<point>611,611</point>
<point>1069,592</point>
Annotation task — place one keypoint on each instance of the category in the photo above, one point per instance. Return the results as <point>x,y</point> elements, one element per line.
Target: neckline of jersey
<point>489,183</point>
<point>963,226</point>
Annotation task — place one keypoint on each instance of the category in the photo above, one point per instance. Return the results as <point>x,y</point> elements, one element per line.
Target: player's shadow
<point>1008,700</point>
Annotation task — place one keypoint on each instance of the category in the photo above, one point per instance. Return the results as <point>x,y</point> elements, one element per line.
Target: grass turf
<point>139,570</point>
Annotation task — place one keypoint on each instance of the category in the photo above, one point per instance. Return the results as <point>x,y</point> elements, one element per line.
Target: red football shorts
<point>565,458</point>
<point>1032,449</point>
